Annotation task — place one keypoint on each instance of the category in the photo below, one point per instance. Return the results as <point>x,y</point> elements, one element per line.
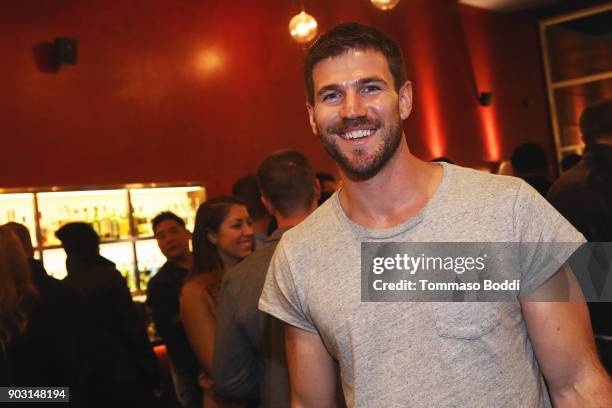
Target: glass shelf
<point>125,236</point>
<point>148,202</point>
<point>19,208</point>
<point>120,253</point>
<point>150,259</point>
<point>106,210</point>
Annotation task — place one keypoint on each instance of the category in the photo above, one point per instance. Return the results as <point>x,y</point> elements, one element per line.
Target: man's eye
<point>330,96</point>
<point>371,88</point>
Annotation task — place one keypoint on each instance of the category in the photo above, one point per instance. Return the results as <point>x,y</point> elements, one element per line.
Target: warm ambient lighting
<point>165,190</point>
<point>18,196</point>
<point>303,27</point>
<point>384,4</point>
<point>57,194</point>
<point>209,61</point>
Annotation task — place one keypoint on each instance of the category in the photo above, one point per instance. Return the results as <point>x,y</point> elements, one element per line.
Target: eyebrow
<point>359,82</point>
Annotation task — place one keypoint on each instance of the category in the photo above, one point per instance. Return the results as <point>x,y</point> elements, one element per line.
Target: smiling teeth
<point>357,134</point>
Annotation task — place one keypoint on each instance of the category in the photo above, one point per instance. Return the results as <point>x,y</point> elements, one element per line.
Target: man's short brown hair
<point>353,36</point>
<point>287,180</point>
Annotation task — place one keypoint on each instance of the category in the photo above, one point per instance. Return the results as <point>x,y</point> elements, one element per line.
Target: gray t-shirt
<point>419,354</point>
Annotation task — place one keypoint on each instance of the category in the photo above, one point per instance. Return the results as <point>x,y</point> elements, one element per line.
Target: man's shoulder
<point>50,287</point>
<point>253,267</point>
<point>483,181</point>
<point>474,191</point>
<point>164,275</point>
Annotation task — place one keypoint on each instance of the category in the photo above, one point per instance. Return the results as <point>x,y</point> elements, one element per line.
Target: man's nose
<point>353,106</point>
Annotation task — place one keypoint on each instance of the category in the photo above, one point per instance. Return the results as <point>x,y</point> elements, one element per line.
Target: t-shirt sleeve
<point>547,239</point>
<point>283,293</point>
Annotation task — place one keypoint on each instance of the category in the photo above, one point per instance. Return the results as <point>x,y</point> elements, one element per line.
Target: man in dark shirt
<point>583,195</point>
<point>249,361</point>
<point>123,367</point>
<point>163,294</point>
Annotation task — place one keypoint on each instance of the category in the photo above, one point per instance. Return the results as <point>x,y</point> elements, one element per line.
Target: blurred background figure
<point>583,195</point>
<point>18,298</point>
<point>123,365</point>
<point>442,159</point>
<point>163,292</point>
<point>250,360</point>
<point>222,237</point>
<point>328,186</point>
<point>247,190</point>
<point>51,351</point>
<point>530,163</point>
<point>570,161</point>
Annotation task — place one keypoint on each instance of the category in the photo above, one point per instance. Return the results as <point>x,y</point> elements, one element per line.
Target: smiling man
<point>415,354</point>
<point>163,293</point>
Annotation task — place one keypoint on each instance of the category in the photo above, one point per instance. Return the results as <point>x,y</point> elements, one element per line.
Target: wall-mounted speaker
<point>65,51</point>
<point>485,98</point>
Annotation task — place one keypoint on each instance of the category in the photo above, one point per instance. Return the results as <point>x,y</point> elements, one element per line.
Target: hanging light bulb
<point>303,27</point>
<point>385,4</point>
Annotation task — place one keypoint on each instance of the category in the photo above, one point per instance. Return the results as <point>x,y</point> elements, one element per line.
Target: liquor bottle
<point>114,225</point>
<point>43,230</point>
<point>124,225</point>
<point>138,216</point>
<point>105,227</point>
<point>96,224</point>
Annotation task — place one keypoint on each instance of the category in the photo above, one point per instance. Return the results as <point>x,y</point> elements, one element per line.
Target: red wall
<point>506,60</point>
<point>201,90</point>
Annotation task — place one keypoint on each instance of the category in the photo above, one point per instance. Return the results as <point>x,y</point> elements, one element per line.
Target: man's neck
<point>262,225</point>
<point>183,261</point>
<point>395,194</point>
<point>294,219</point>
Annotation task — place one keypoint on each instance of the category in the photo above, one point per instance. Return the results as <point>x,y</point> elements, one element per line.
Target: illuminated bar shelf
<point>121,215</point>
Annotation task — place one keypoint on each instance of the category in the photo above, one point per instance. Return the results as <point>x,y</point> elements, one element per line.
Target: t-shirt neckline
<point>368,233</point>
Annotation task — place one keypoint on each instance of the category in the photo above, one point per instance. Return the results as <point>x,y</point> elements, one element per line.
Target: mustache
<point>350,123</point>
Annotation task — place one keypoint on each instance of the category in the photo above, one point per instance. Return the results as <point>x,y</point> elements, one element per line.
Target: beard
<point>362,166</point>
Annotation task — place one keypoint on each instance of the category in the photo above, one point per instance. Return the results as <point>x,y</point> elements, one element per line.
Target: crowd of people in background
<point>85,332</point>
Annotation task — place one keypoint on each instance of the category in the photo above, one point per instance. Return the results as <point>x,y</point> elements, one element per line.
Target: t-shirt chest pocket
<point>468,320</point>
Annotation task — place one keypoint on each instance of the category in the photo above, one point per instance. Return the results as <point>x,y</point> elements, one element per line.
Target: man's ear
<point>405,100</point>
<point>317,191</point>
<point>266,203</point>
<point>311,118</point>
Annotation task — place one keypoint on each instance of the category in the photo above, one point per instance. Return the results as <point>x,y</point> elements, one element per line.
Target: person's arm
<point>199,323</point>
<point>563,343</point>
<point>160,300</point>
<point>311,370</point>
<point>235,364</point>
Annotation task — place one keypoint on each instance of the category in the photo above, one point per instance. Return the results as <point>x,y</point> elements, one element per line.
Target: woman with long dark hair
<point>17,298</point>
<point>222,237</point>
